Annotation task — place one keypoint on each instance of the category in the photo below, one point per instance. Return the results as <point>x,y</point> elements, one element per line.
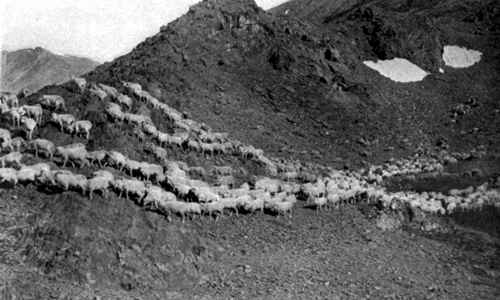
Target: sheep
<point>149,170</point>
<point>82,126</point>
<point>97,91</point>
<point>109,90</point>
<point>251,204</point>
<point>34,111</point>
<point>73,152</point>
<point>27,174</point>
<point>130,187</point>
<point>125,100</point>
<point>63,120</point>
<point>45,145</point>
<point>114,111</point>
<point>11,100</point>
<point>149,129</point>
<point>213,207</point>
<point>13,158</point>
<point>29,126</point>
<point>137,119</point>
<point>52,102</point>
<point>4,108</point>
<point>204,194</point>
<point>8,175</point>
<point>117,159</point>
<point>131,166</point>
<point>282,207</point>
<point>15,114</point>
<point>157,196</point>
<point>268,184</point>
<point>100,181</point>
<point>132,86</point>
<point>80,84</point>
<point>182,208</point>
<point>97,157</point>
<point>68,180</point>
<point>18,143</point>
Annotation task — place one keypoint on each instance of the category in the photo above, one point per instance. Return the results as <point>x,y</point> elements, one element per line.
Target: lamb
<point>52,102</point>
<point>74,152</point>
<point>13,158</point>
<point>125,101</point>
<point>82,126</point>
<point>68,180</point>
<point>114,111</point>
<point>63,120</point>
<point>29,126</point>
<point>97,157</point>
<point>100,181</point>
<point>117,159</point>
<point>8,175</point>
<point>34,111</point>
<point>45,145</point>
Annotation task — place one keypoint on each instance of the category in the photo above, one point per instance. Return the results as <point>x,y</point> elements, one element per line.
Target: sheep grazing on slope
<point>109,90</point>
<point>149,129</point>
<point>117,160</point>
<point>18,143</point>
<point>78,84</point>
<point>52,102</point>
<point>268,184</point>
<point>114,111</point>
<point>136,119</point>
<point>72,153</point>
<point>13,158</point>
<point>8,175</point>
<point>67,180</point>
<point>43,145</point>
<point>65,121</point>
<point>34,111</point>
<point>157,196</point>
<point>150,171</point>
<point>29,174</point>
<point>130,187</point>
<point>16,114</point>
<point>97,157</point>
<point>81,127</point>
<point>29,126</point>
<point>97,91</point>
<point>125,101</point>
<point>101,180</point>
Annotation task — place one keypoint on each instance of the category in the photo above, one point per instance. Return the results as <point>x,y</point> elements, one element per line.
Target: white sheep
<point>101,180</point>
<point>68,180</point>
<point>18,143</point>
<point>44,145</point>
<point>216,207</point>
<point>65,121</point>
<point>13,158</point>
<point>157,196</point>
<point>130,187</point>
<point>8,175</point>
<point>114,111</point>
<point>268,184</point>
<point>149,129</point>
<point>11,100</point>
<point>72,153</point>
<point>29,126</point>
<point>34,111</point>
<point>125,101</point>
<point>137,119</point>
<point>97,91</point>
<point>97,157</point>
<point>27,174</point>
<point>116,159</point>
<point>52,101</point>
<point>15,114</point>
<point>109,90</point>
<point>80,83</point>
<point>152,170</point>
<point>82,126</point>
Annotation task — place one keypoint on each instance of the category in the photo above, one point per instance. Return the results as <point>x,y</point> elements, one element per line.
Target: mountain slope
<point>35,68</point>
<point>299,88</point>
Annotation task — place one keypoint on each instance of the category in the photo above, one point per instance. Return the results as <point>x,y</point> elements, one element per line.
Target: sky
<point>98,29</point>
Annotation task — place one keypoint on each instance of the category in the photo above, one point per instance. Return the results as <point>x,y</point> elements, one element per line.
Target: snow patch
<point>398,69</point>
<point>460,57</point>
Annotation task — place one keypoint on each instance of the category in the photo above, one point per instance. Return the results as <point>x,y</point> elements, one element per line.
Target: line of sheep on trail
<point>168,188</point>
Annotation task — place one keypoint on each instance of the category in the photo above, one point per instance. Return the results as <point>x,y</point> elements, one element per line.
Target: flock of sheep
<point>167,187</point>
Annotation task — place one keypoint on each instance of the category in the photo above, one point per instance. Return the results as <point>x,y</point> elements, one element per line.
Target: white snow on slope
<point>460,57</point>
<point>398,69</point>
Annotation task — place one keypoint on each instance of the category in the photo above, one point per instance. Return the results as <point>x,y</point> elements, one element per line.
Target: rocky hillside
<point>229,63</point>
<point>38,67</point>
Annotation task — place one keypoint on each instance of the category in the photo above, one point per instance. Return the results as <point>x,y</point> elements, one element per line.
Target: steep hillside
<point>38,67</point>
<point>229,63</point>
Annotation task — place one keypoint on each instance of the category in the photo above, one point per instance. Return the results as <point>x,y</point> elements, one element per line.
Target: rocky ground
<point>277,83</point>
